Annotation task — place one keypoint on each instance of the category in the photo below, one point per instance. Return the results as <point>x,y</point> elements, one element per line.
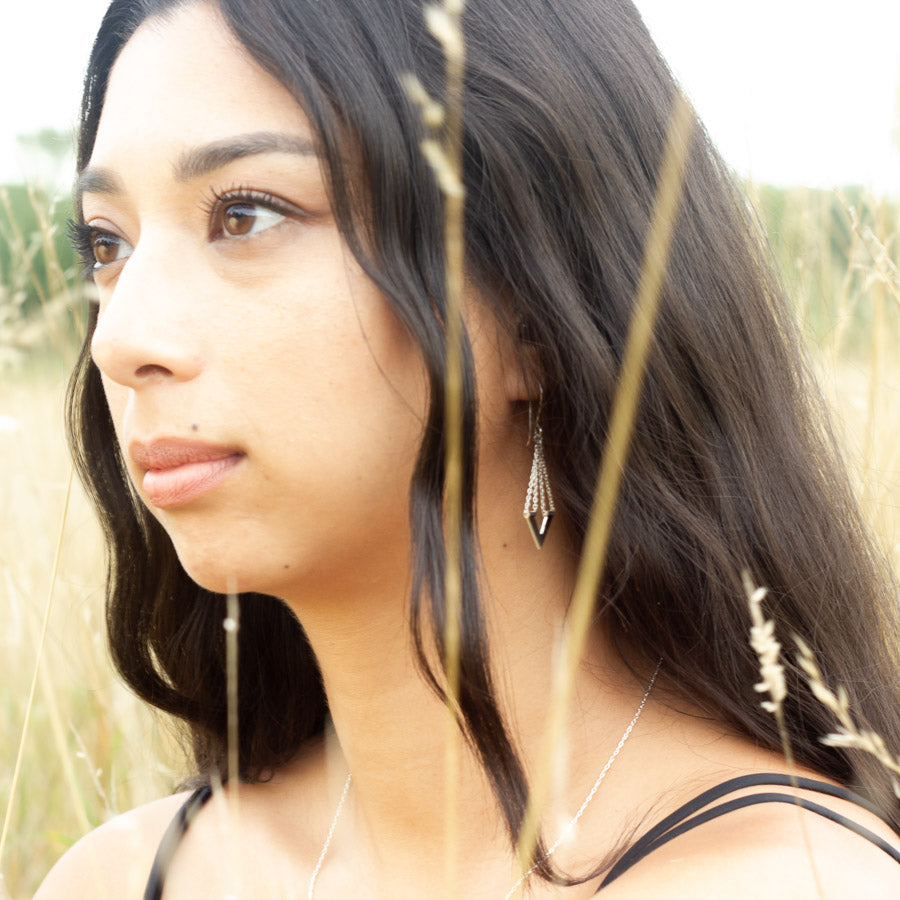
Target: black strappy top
<point>172,838</point>
<point>695,812</point>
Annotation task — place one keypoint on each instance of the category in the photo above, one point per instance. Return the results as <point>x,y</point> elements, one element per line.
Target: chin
<point>207,570</point>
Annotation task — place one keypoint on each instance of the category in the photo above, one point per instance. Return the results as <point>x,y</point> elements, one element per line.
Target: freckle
<point>286,565</point>
<point>195,427</point>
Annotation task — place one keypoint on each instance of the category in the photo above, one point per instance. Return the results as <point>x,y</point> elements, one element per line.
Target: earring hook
<point>534,420</point>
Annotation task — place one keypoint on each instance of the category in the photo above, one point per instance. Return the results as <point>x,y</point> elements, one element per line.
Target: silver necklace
<point>563,834</point>
<point>337,814</point>
<point>603,772</point>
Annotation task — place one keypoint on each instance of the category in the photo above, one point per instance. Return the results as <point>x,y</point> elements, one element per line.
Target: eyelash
<point>217,202</point>
<point>82,236</point>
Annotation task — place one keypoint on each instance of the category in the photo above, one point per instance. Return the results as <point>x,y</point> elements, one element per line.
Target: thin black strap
<point>683,819</point>
<point>171,839</point>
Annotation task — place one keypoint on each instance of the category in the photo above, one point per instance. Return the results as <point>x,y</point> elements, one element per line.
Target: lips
<point>177,472</point>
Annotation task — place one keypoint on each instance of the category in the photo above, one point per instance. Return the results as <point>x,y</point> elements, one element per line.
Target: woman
<point>259,411</point>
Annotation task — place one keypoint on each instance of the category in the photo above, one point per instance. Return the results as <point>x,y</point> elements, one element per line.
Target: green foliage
<point>38,274</point>
<point>36,261</point>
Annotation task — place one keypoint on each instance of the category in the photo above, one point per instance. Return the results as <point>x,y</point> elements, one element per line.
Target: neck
<point>392,731</point>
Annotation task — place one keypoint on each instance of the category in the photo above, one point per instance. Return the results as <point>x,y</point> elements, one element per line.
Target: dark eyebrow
<point>200,161</point>
<point>96,181</point>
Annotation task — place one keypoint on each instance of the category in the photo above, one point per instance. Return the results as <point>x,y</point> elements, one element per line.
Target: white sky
<point>792,91</point>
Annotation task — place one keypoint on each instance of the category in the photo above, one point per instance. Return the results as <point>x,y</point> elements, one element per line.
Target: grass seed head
<point>767,648</point>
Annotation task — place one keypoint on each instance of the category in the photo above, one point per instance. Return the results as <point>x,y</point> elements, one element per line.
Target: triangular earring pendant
<point>539,496</point>
<point>539,533</point>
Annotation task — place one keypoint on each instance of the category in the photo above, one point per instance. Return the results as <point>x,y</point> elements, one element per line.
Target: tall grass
<point>92,750</point>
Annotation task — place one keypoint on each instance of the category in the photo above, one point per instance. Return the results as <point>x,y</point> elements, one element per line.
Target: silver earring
<point>539,496</point>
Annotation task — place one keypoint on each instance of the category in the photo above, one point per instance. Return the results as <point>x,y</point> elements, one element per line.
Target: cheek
<point>327,343</point>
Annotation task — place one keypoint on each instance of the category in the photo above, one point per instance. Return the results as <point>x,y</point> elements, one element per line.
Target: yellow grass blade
<point>232,625</point>
<point>637,348</point>
<point>445,23</point>
<point>37,667</point>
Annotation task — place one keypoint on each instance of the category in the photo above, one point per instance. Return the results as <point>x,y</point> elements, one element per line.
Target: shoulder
<point>115,859</point>
<point>771,851</point>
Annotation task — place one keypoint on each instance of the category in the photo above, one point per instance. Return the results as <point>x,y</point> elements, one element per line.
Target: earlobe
<point>504,344</point>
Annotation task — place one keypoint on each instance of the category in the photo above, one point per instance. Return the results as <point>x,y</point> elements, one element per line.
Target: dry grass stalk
<point>10,805</point>
<point>848,734</point>
<point>20,246</point>
<point>54,717</point>
<point>582,609</point>
<point>876,282</point>
<point>773,683</point>
<point>232,625</point>
<point>886,271</point>
<point>58,304</point>
<point>844,306</point>
<point>444,155</point>
<point>767,648</point>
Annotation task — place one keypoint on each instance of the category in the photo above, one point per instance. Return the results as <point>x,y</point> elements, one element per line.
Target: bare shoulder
<point>771,851</point>
<point>115,859</point>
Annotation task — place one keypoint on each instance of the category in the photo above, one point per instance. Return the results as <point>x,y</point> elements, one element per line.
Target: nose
<point>144,331</point>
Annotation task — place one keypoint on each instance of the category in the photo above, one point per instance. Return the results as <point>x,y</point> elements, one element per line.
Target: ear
<point>521,368</point>
<point>506,357</point>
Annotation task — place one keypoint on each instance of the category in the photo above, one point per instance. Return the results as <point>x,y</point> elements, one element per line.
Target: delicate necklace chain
<point>337,814</point>
<point>612,758</point>
<point>563,835</point>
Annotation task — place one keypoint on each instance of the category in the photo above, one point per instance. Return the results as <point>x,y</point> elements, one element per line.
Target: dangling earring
<point>539,495</point>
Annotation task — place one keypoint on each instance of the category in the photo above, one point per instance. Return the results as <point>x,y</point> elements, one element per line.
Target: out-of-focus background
<point>802,97</point>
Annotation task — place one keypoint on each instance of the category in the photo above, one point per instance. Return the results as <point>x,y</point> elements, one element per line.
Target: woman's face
<point>268,402</point>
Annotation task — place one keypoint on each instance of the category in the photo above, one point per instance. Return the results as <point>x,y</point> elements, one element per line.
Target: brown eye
<point>239,219</point>
<point>107,248</point>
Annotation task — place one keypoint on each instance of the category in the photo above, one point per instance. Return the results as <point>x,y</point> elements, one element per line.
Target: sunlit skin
<point>240,336</point>
<point>245,323</point>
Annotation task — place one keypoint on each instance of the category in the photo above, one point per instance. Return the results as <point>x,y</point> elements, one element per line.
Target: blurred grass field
<point>92,750</point>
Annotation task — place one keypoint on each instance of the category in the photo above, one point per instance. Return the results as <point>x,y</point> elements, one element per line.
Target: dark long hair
<point>732,465</point>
